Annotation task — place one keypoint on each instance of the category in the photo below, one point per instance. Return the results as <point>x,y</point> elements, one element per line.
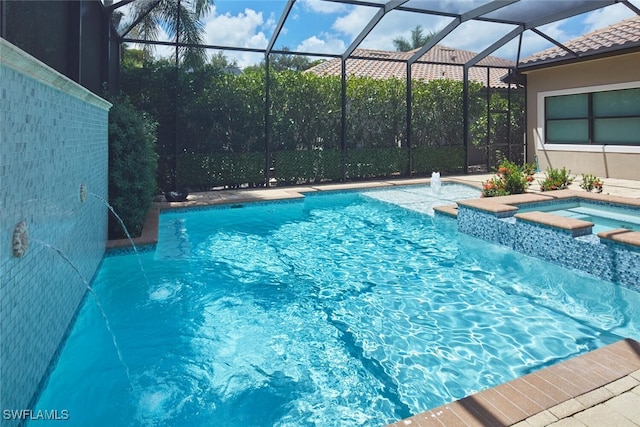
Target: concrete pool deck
<point>599,388</point>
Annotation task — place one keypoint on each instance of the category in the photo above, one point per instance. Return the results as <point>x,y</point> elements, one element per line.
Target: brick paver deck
<point>600,388</point>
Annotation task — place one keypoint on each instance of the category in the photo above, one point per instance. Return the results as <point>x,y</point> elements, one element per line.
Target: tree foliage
<point>180,19</point>
<point>418,39</point>
<point>438,111</point>
<point>132,58</point>
<point>286,62</point>
<point>497,124</point>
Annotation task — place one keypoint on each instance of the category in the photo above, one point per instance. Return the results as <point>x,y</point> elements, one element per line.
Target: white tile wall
<point>53,139</point>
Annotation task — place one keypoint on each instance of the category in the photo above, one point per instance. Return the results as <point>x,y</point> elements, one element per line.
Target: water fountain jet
<point>126,232</point>
<point>98,304</point>
<point>435,182</point>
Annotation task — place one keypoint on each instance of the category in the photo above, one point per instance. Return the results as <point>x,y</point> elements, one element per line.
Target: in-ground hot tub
<point>603,215</point>
<point>604,242</point>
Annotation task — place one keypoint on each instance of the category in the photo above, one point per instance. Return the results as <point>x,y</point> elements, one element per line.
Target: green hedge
<point>450,159</point>
<point>307,166</point>
<point>204,171</point>
<point>295,167</point>
<point>218,121</point>
<point>377,162</point>
<point>313,166</point>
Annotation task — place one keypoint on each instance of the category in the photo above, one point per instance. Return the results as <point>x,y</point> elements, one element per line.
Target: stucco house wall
<point>606,161</point>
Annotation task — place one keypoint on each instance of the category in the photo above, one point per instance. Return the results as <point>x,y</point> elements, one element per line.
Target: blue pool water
<point>349,309</point>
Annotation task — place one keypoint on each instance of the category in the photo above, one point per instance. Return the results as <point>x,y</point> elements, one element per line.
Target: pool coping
<point>548,395</point>
<point>574,227</point>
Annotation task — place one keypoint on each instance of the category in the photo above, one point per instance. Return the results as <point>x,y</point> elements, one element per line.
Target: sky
<point>321,26</point>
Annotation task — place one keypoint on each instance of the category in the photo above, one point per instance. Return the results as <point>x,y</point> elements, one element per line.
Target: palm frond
<point>180,20</point>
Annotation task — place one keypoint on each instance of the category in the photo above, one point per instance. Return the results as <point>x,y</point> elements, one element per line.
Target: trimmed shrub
<point>556,179</point>
<point>205,171</point>
<point>220,116</point>
<point>132,167</point>
<point>331,164</point>
<point>377,162</point>
<point>448,159</point>
<point>297,166</point>
<point>510,179</point>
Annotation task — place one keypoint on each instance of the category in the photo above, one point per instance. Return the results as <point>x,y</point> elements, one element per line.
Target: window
<point>595,118</point>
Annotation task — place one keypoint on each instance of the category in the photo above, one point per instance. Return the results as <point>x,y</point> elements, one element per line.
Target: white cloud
<point>327,44</point>
<point>559,31</point>
<point>476,36</point>
<point>607,16</point>
<point>353,22</point>
<point>324,7</point>
<point>399,25</point>
<point>270,24</point>
<point>250,29</point>
<point>245,29</point>
<point>571,28</point>
<point>241,30</point>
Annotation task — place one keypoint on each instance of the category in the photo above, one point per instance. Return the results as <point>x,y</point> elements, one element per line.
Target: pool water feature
<point>603,216</point>
<point>342,309</point>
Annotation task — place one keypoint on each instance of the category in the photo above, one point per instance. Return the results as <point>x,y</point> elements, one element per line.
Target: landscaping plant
<point>556,179</point>
<point>510,179</point>
<point>132,166</point>
<point>591,183</point>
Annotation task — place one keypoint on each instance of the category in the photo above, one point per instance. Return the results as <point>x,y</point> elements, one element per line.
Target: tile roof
<point>444,62</point>
<point>623,35</point>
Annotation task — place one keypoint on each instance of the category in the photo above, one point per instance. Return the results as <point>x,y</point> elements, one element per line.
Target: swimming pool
<point>343,309</point>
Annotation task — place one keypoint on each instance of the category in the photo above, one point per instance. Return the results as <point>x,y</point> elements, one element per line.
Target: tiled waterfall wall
<point>54,141</point>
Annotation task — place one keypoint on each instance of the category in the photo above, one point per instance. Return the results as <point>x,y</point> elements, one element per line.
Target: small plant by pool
<point>591,183</point>
<point>556,179</point>
<point>510,178</point>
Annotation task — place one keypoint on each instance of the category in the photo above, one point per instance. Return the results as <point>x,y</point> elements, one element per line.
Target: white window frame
<point>592,148</point>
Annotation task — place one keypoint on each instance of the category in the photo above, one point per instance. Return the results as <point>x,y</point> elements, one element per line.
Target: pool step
<point>173,242</point>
